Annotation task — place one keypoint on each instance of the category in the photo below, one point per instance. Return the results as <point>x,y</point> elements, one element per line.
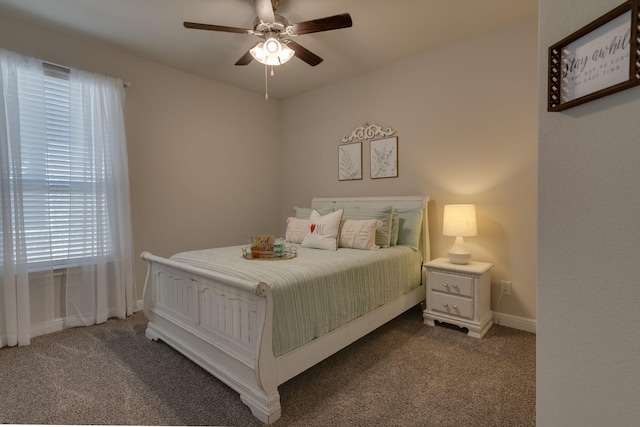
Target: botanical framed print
<point>350,161</point>
<point>384,158</point>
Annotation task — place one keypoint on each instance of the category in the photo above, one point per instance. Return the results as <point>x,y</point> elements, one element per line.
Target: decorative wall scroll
<point>597,60</point>
<point>350,161</point>
<point>384,158</point>
<point>368,131</point>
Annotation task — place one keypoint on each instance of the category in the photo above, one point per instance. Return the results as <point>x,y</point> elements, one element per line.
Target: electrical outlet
<point>505,287</point>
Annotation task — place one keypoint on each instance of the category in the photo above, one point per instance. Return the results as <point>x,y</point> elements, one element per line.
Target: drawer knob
<point>446,285</point>
<point>455,286</point>
<point>445,304</point>
<point>455,307</point>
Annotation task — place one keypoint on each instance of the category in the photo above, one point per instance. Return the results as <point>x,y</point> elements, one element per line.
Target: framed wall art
<point>350,161</point>
<point>384,158</point>
<point>597,60</point>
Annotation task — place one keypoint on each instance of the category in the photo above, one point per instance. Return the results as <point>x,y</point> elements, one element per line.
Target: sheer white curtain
<point>66,223</point>
<point>14,310</point>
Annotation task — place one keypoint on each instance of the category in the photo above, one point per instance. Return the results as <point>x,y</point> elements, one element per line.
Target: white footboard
<point>221,323</point>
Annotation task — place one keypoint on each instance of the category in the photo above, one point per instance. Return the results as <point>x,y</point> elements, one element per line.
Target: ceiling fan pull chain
<point>266,83</point>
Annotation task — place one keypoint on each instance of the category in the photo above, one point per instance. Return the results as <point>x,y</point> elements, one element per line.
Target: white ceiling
<point>383,31</point>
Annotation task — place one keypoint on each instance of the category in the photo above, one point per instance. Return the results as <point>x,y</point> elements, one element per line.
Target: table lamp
<point>459,221</point>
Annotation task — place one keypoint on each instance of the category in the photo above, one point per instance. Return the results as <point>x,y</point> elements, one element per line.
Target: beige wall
<point>466,121</point>
<point>192,144</point>
<point>588,344</point>
<point>465,117</point>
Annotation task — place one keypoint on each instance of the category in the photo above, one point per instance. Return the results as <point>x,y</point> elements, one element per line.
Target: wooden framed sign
<point>597,60</point>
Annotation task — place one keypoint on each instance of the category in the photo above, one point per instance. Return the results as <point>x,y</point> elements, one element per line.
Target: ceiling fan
<point>276,47</point>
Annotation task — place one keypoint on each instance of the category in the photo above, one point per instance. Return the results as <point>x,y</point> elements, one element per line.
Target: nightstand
<point>459,294</point>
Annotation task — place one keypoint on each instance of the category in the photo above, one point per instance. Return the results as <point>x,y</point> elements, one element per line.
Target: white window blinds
<point>64,202</point>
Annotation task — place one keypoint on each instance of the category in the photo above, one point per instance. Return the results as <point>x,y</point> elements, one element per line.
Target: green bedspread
<point>318,291</point>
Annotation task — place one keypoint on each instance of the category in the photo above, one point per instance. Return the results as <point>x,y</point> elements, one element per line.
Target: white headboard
<point>405,202</point>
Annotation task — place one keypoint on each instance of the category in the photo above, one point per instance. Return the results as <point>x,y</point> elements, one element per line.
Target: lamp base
<point>458,254</point>
<point>459,258</point>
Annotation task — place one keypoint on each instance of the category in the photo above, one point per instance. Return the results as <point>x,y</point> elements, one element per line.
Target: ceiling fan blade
<point>303,53</point>
<point>323,24</point>
<point>209,27</point>
<point>264,10</point>
<point>245,59</point>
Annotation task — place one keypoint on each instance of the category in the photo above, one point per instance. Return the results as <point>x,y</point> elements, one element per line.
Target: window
<point>64,198</point>
<point>64,188</point>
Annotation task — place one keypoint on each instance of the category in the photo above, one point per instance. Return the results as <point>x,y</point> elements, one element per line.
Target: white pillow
<point>359,233</point>
<point>383,234</point>
<point>296,229</point>
<point>322,232</point>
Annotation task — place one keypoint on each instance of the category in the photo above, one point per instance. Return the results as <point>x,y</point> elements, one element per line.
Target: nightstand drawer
<point>453,305</point>
<point>451,283</point>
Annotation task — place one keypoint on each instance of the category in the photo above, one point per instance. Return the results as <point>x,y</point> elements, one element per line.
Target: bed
<point>247,323</point>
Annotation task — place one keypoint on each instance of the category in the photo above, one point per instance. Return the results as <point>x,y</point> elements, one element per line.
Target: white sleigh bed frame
<point>225,325</point>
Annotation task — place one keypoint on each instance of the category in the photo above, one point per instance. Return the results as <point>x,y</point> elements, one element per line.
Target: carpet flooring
<point>403,374</point>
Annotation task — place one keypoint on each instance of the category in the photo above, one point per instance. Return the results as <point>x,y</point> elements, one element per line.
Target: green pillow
<point>395,228</point>
<point>305,213</point>
<point>410,227</point>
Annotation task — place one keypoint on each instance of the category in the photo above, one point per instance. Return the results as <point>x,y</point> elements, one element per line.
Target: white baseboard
<point>515,322</point>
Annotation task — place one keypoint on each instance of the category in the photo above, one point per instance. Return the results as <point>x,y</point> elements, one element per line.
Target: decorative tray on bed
<point>288,253</point>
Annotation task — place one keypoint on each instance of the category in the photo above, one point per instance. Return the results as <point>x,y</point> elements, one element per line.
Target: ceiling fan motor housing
<point>279,27</point>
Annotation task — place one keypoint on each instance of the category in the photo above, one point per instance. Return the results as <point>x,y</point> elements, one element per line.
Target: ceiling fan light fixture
<point>271,52</point>
<point>285,54</point>
<point>272,46</point>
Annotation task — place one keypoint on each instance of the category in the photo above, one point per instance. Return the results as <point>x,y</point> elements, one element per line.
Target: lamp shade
<point>459,221</point>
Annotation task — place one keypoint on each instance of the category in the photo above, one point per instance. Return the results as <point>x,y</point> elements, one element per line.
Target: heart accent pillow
<point>323,230</point>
